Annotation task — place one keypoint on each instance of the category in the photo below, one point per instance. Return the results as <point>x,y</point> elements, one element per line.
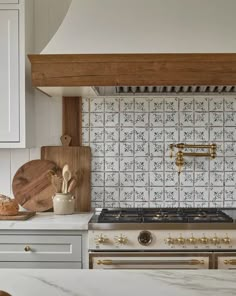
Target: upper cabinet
<point>9,77</point>
<point>9,1</point>
<point>13,15</point>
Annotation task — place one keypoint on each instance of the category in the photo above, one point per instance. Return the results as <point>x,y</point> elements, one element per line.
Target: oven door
<point>149,260</point>
<point>225,260</point>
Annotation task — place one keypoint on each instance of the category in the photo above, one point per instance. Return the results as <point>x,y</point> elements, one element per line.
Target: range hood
<point>141,47</point>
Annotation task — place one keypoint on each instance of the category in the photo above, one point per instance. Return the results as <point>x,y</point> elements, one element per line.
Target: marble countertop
<point>28,282</point>
<point>50,221</point>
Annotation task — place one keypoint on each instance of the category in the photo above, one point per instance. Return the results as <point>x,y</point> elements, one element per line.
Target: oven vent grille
<point>161,90</point>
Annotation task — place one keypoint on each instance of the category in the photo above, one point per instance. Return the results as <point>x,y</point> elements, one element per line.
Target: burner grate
<point>165,215</point>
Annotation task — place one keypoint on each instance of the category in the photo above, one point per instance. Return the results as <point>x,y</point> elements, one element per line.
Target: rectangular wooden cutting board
<point>79,161</point>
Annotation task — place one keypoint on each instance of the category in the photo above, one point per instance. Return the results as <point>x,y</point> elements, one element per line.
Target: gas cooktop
<point>164,215</point>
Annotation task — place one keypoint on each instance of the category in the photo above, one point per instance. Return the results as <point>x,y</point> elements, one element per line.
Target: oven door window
<point>142,262</point>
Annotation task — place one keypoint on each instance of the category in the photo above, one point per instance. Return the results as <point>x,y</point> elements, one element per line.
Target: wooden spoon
<point>72,185</point>
<point>66,173</point>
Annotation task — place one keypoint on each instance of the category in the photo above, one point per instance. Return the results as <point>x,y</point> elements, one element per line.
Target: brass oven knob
<point>145,238</point>
<point>204,240</point>
<point>215,240</point>
<point>101,239</point>
<point>230,262</point>
<point>122,239</point>
<point>181,240</point>
<point>226,240</point>
<point>192,240</point>
<point>170,241</point>
<point>27,249</point>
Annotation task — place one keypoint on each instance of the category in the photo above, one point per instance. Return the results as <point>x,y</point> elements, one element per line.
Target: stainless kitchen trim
<point>161,226</point>
<point>151,254</point>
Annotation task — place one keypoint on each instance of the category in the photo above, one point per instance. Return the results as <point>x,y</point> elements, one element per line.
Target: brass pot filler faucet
<point>180,154</point>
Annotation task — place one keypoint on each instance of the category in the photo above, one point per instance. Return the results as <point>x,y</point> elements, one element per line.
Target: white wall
<point>158,26</point>
<point>43,113</point>
<point>49,15</point>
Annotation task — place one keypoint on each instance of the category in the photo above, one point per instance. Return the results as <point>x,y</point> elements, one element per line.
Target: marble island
<point>50,221</point>
<point>28,282</point>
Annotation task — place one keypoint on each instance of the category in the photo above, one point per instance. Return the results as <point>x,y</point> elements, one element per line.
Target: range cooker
<point>162,239</point>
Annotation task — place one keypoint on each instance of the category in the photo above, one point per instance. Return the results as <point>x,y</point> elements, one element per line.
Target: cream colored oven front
<point>150,260</point>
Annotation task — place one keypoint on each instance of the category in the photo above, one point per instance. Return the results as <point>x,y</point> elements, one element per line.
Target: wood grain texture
<point>72,119</point>
<point>79,161</point>
<point>32,187</point>
<point>3,293</point>
<point>133,69</point>
<point>21,216</point>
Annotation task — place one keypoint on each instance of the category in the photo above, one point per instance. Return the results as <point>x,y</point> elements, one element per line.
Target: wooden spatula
<point>66,173</point>
<point>72,184</point>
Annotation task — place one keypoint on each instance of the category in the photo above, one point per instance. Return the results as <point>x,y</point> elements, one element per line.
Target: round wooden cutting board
<point>32,187</point>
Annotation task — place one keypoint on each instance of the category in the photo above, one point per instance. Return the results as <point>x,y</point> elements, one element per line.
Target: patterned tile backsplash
<point>130,138</point>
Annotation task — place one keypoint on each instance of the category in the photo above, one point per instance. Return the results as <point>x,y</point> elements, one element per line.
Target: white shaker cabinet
<point>9,77</point>
<point>43,249</point>
<point>16,17</point>
<point>9,1</point>
<point>45,241</point>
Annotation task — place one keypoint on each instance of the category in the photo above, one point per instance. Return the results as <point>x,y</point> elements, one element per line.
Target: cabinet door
<point>40,248</point>
<point>9,76</point>
<point>9,1</point>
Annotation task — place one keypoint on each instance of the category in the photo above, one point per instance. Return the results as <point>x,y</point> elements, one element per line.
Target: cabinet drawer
<point>225,261</point>
<point>41,265</point>
<point>9,1</point>
<point>40,248</point>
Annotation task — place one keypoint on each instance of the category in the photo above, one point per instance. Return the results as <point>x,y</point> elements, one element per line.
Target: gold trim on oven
<point>153,262</point>
<point>93,255</point>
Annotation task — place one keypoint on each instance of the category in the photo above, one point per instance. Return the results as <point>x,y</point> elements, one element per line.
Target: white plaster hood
<point>143,26</point>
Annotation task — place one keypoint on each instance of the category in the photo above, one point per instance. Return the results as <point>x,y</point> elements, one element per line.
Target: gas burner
<point>165,215</point>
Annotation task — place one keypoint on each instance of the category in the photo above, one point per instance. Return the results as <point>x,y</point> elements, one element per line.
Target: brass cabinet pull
<point>230,262</point>
<point>27,249</point>
<point>105,262</point>
<point>153,262</point>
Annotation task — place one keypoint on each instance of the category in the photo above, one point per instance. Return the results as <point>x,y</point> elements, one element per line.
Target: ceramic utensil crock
<point>63,204</point>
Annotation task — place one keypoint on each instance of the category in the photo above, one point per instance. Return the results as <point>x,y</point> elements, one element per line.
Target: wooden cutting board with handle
<point>32,187</point>
<point>79,161</point>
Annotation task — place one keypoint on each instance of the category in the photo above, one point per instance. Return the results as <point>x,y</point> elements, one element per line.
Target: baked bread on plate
<point>8,206</point>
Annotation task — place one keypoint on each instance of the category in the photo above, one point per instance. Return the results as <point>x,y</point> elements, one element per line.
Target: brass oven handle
<point>230,262</point>
<point>153,262</point>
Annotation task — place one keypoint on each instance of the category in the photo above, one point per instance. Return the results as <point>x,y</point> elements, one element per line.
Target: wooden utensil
<point>66,173</point>
<point>72,185</point>
<point>31,186</point>
<point>79,162</point>
<point>56,180</point>
<point>57,183</point>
